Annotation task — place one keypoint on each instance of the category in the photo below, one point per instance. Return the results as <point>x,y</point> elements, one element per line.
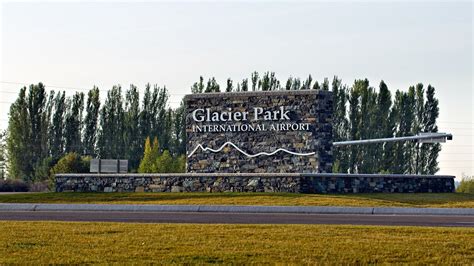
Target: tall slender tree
<point>57,127</point>
<point>18,139</point>
<point>430,152</point>
<point>132,140</point>
<point>230,86</point>
<point>73,126</point>
<point>91,122</point>
<point>110,141</point>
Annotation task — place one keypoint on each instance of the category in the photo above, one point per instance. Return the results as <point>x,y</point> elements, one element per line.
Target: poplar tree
<point>245,85</point>
<point>36,104</point>
<point>354,125</point>
<point>166,135</point>
<point>110,141</point>
<point>158,111</point>
<point>132,140</point>
<point>198,87</point>
<point>145,114</point>
<point>340,126</point>
<point>419,107</point>
<point>212,86</point>
<point>296,84</point>
<point>254,79</point>
<point>91,121</point>
<point>179,130</point>
<point>73,126</point>
<point>229,87</point>
<point>3,157</point>
<point>18,139</point>
<point>57,128</point>
<point>385,125</point>
<point>430,151</point>
<point>307,83</point>
<point>289,84</point>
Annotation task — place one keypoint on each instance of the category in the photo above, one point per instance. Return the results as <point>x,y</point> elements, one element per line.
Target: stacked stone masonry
<point>310,107</point>
<point>295,183</point>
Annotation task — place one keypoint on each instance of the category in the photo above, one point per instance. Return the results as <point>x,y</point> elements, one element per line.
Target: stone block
<point>177,189</point>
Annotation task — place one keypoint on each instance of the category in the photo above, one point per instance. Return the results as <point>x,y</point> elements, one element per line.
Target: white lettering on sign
<point>258,114</point>
<point>254,117</point>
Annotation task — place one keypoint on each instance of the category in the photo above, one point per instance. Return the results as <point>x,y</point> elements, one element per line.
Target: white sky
<point>78,45</point>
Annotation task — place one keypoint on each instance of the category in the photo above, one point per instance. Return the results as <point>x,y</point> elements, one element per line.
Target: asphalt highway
<point>238,218</point>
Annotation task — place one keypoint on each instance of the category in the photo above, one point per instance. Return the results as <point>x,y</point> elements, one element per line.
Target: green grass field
<point>439,200</point>
<point>74,242</point>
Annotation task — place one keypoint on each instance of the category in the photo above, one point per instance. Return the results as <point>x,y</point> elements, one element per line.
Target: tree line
<point>364,112</point>
<point>44,126</point>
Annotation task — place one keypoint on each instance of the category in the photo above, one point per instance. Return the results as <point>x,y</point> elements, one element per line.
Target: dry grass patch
<point>439,200</point>
<point>79,242</point>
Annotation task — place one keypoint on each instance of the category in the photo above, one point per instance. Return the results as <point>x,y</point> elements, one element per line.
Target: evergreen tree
<point>90,122</point>
<point>316,86</point>
<point>146,164</point>
<point>164,163</point>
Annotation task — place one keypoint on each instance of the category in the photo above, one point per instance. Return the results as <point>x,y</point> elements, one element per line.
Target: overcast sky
<point>78,45</point>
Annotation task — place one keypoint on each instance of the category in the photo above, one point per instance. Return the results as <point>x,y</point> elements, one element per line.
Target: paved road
<point>239,218</point>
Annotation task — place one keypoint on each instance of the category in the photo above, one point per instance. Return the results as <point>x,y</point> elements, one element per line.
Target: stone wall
<point>290,182</point>
<point>310,108</point>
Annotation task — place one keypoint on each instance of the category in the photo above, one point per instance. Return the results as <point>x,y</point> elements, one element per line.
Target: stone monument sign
<point>259,132</point>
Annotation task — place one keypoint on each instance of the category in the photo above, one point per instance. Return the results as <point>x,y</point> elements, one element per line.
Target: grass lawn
<point>439,200</point>
<point>79,242</point>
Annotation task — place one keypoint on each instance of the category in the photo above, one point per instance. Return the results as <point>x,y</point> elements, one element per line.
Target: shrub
<point>164,163</point>
<point>13,185</point>
<point>466,185</point>
<point>42,186</point>
<point>179,164</point>
<point>70,163</point>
